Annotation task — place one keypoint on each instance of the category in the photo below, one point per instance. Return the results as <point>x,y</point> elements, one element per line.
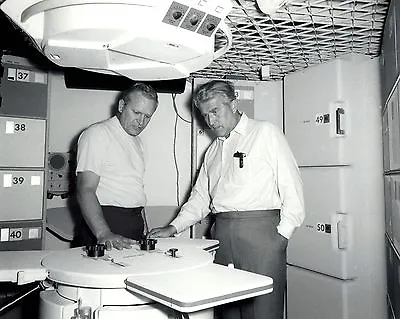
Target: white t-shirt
<point>105,149</point>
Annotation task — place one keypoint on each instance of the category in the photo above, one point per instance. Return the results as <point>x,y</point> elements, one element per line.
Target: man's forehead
<point>214,102</point>
<point>135,95</point>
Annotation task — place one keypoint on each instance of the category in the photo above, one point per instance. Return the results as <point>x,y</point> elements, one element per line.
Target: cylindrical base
<point>106,304</point>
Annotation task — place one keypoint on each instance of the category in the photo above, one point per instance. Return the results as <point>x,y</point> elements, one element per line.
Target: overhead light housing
<point>139,39</point>
<point>271,6</point>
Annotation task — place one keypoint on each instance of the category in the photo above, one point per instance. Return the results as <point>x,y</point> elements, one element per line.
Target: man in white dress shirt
<point>250,180</point>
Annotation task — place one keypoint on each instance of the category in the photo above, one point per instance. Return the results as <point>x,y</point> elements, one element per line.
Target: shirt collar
<point>240,127</point>
<point>117,124</point>
<point>242,124</point>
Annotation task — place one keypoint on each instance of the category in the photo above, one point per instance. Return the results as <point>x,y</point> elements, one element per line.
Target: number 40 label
<point>15,234</point>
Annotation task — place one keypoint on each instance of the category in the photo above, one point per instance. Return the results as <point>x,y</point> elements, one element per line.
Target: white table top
<point>22,267</point>
<point>188,282</point>
<point>73,267</point>
<point>200,288</point>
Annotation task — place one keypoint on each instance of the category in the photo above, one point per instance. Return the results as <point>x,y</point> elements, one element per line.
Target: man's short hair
<point>143,88</point>
<point>212,88</point>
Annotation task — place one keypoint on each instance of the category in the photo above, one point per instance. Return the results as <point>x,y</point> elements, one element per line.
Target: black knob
<point>95,250</point>
<point>210,26</point>
<point>173,251</point>
<point>148,244</point>
<point>194,20</point>
<point>177,15</point>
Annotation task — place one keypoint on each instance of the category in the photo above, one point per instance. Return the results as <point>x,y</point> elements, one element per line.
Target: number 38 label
<point>20,127</point>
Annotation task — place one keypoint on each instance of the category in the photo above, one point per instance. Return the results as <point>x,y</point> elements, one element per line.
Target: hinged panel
<point>20,76</point>
<point>22,142</point>
<point>21,195</point>
<point>327,228</point>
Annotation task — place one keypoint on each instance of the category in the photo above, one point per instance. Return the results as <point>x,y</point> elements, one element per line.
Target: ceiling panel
<point>299,35</point>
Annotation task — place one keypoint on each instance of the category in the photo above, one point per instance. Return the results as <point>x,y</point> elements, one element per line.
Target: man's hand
<point>162,232</point>
<point>117,241</point>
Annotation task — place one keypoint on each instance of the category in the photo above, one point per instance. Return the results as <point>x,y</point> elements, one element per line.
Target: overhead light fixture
<point>271,6</point>
<point>139,39</point>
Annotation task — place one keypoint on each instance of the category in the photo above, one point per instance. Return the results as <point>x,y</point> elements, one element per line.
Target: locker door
<point>19,76</point>
<point>22,142</point>
<point>394,130</point>
<point>386,137</point>
<point>389,56</point>
<point>395,209</point>
<point>322,243</point>
<point>315,124</point>
<point>388,206</point>
<point>21,195</point>
<point>315,296</point>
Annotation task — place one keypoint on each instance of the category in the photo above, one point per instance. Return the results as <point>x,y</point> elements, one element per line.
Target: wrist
<point>173,230</point>
<point>103,233</point>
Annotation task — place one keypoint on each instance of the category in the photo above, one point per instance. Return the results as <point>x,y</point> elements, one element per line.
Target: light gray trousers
<point>251,242</point>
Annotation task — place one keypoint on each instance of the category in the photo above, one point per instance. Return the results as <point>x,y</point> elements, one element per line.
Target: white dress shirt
<point>268,179</point>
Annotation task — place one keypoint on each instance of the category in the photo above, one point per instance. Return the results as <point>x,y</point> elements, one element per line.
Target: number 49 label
<point>321,119</point>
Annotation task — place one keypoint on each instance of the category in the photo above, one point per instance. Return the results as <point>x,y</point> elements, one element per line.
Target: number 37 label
<point>23,75</point>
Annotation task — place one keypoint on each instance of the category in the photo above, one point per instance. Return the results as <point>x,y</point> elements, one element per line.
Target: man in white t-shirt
<point>110,170</point>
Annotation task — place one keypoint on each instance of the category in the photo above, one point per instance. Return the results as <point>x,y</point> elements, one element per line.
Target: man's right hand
<point>117,241</point>
<point>162,232</point>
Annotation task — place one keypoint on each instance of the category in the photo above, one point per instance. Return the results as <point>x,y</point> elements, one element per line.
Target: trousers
<point>250,241</point>
<point>127,222</point>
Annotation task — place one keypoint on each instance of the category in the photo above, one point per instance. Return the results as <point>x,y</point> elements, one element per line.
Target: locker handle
<point>339,113</point>
<point>342,235</point>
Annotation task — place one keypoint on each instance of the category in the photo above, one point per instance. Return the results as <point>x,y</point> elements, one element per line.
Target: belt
<point>249,214</point>
<point>123,210</point>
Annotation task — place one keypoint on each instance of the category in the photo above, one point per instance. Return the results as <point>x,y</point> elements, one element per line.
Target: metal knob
<point>148,244</point>
<point>173,251</point>
<point>95,250</point>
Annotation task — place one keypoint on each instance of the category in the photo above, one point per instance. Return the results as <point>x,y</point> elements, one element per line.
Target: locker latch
<point>339,123</point>
<point>342,235</point>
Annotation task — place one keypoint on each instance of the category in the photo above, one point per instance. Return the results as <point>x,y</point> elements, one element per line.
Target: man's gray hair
<point>210,89</point>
